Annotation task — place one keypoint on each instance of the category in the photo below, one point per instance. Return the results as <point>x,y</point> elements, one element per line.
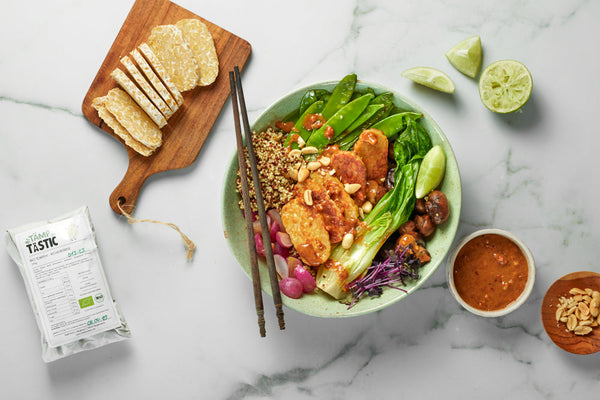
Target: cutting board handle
<point>126,193</point>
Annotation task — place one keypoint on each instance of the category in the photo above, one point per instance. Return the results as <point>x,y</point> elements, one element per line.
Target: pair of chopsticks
<point>237,96</point>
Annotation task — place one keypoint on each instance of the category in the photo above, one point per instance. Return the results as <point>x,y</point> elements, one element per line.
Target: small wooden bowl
<point>557,331</point>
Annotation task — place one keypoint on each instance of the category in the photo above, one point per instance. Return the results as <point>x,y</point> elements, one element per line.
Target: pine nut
<point>308,200</point>
<point>347,241</point>
<point>325,160</point>
<point>293,173</point>
<point>352,188</point>
<point>301,142</point>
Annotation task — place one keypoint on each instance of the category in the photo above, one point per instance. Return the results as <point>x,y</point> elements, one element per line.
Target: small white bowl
<point>530,276</point>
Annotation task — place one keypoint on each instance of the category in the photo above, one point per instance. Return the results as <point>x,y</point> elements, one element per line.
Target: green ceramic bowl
<point>320,304</point>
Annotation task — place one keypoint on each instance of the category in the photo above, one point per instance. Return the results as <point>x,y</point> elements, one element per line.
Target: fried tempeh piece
<point>307,231</point>
<point>372,148</point>
<point>332,202</point>
<point>350,169</point>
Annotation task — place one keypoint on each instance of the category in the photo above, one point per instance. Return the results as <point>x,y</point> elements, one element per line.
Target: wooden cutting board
<point>189,127</point>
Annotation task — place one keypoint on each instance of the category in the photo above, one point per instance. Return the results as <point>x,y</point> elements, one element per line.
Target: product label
<point>66,279</point>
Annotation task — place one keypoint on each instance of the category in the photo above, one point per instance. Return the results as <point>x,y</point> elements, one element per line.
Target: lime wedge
<point>466,56</point>
<point>505,86</point>
<point>431,172</point>
<point>430,77</point>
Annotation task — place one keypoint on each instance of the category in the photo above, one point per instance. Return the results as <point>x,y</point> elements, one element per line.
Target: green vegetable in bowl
<point>314,108</point>
<point>340,96</point>
<point>395,207</point>
<point>338,122</point>
<point>386,99</point>
<point>312,96</point>
<point>396,123</point>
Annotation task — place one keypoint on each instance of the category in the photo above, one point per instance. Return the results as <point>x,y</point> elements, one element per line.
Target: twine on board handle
<point>189,244</point>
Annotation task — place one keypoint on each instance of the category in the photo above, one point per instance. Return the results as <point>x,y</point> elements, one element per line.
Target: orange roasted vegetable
<point>419,251</point>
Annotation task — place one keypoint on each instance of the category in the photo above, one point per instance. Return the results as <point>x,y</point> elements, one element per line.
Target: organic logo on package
<point>86,302</point>
<point>39,241</point>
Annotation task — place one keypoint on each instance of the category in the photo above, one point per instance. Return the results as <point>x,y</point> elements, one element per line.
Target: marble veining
<point>193,324</point>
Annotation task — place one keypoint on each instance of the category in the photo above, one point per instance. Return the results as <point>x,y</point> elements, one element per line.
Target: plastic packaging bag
<point>66,285</point>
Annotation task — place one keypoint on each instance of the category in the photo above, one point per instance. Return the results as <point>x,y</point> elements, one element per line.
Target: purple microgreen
<point>399,265</point>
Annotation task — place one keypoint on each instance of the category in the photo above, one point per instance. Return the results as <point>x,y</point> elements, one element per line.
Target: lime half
<point>505,86</point>
<point>430,77</point>
<point>431,172</point>
<point>466,56</point>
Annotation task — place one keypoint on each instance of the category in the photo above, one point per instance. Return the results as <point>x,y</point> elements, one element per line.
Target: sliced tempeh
<point>161,71</point>
<point>99,104</point>
<point>201,42</point>
<point>139,97</point>
<point>133,118</point>
<point>175,55</point>
<point>154,79</point>
<point>146,87</point>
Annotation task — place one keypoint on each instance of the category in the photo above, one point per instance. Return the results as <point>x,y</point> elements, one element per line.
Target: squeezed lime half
<point>430,77</point>
<point>466,56</point>
<point>431,172</point>
<point>505,86</point>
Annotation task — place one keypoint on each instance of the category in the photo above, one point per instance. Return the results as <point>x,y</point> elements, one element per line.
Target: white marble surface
<point>194,329</point>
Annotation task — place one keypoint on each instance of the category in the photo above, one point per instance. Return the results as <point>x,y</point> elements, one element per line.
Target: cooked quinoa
<point>273,165</point>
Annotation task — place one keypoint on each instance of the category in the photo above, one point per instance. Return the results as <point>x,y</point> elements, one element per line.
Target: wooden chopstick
<point>247,211</point>
<point>237,94</point>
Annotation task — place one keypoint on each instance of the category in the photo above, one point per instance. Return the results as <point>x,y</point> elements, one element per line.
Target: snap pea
<point>395,123</point>
<point>341,95</point>
<point>368,113</point>
<point>299,128</point>
<point>339,121</point>
<point>310,97</point>
<point>357,94</point>
<point>387,99</point>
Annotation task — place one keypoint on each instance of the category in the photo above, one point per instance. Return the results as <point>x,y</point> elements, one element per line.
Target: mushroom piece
<point>437,208</point>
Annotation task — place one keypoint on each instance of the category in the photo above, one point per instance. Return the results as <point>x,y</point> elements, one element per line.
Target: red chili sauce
<point>490,272</point>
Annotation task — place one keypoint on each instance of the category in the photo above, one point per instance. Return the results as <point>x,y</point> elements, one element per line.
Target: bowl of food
<point>571,312</point>
<point>346,211</point>
<point>491,272</point>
